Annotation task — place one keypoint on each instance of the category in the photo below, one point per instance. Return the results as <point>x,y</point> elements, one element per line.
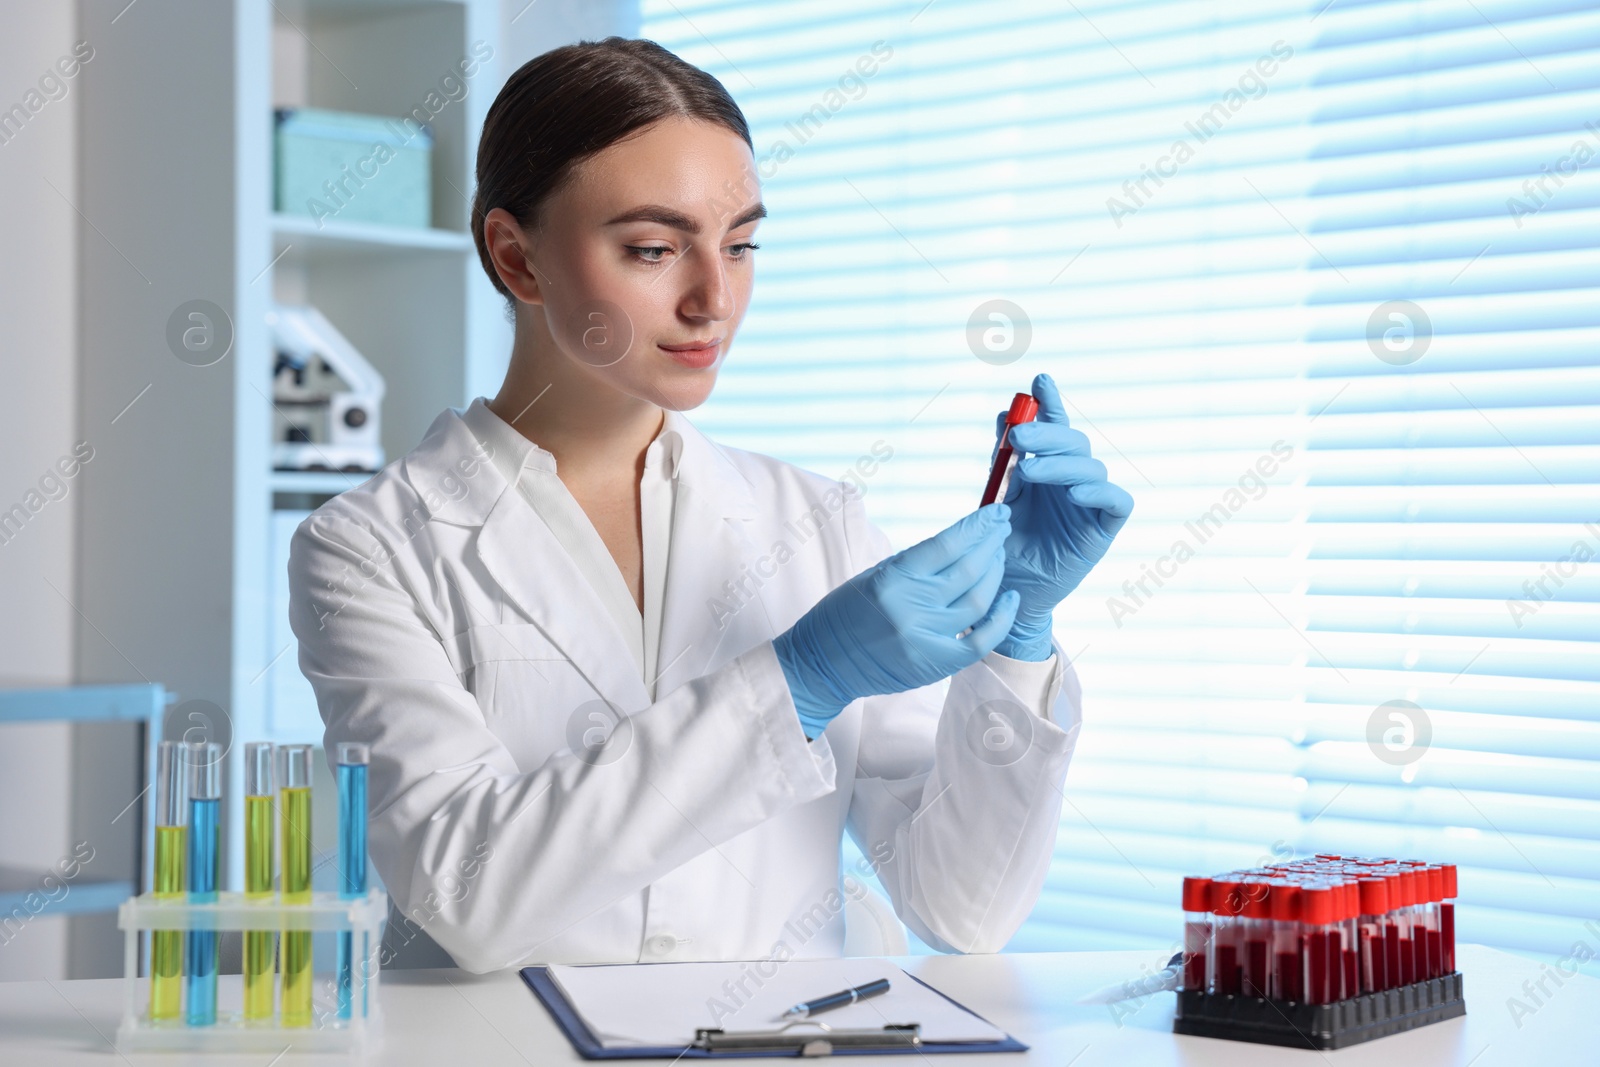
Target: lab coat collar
<point>710,541</point>
<point>451,456</point>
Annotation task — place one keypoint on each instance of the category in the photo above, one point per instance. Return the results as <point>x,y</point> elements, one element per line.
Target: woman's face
<point>646,252</point>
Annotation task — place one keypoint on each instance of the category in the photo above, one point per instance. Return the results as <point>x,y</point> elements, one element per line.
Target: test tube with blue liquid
<point>172,817</point>
<point>205,810</point>
<point>352,772</point>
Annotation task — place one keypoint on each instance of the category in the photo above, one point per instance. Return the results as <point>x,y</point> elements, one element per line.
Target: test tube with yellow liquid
<point>260,946</point>
<point>172,817</point>
<point>294,834</point>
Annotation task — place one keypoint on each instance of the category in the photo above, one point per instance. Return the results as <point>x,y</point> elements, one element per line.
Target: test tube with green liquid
<point>352,770</point>
<point>172,814</point>
<point>294,833</point>
<point>205,867</point>
<point>259,945</point>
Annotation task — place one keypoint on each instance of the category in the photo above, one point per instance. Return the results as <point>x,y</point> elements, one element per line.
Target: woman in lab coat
<point>624,687</point>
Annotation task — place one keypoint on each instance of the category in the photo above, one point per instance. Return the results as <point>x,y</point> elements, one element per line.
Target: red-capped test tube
<point>1197,934</point>
<point>1287,967</point>
<point>1317,930</point>
<point>1447,917</point>
<point>1255,979</point>
<point>1432,876</point>
<point>1349,953</point>
<point>1374,964</point>
<point>1397,927</point>
<point>1227,906</point>
<point>1023,409</point>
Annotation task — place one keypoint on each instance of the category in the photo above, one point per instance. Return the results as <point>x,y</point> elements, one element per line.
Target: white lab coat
<point>441,623</point>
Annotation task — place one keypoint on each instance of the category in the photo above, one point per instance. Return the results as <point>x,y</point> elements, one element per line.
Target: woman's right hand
<point>902,624</point>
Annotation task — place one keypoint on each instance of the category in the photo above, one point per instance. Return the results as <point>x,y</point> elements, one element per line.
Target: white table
<point>445,1017</point>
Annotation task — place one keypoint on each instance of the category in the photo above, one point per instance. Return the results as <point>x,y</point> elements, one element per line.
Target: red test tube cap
<point>1449,872</point>
<point>1258,899</point>
<point>1226,898</point>
<point>1023,408</point>
<point>1435,883</point>
<point>1349,899</point>
<point>1285,901</point>
<point>1374,896</point>
<point>1316,904</point>
<point>1197,894</point>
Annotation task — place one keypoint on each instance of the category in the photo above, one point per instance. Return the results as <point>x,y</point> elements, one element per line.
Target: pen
<point>839,1000</point>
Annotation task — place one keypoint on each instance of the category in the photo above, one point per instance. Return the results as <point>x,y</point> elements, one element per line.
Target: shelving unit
<point>25,891</point>
<point>184,525</point>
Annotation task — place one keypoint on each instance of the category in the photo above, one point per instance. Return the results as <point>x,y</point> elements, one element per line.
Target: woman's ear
<point>511,251</point>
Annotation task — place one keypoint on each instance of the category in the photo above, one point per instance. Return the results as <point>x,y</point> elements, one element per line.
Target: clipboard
<point>790,1040</point>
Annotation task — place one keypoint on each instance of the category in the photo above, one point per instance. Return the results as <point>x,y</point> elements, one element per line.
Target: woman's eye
<point>647,254</point>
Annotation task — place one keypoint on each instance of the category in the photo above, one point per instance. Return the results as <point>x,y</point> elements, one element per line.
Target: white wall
<point>529,29</point>
<point>38,356</point>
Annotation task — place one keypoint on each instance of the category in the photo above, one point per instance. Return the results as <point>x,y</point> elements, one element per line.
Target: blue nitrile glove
<point>1063,516</point>
<point>899,625</point>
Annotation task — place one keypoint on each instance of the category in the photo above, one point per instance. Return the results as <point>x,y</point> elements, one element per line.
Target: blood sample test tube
<point>1447,918</point>
<point>1374,898</point>
<point>1425,920</point>
<point>1023,409</point>
<point>1227,902</point>
<point>1349,960</point>
<point>1418,896</point>
<point>1255,981</point>
<point>1316,925</point>
<point>1197,935</point>
<point>1405,910</point>
<point>1286,964</point>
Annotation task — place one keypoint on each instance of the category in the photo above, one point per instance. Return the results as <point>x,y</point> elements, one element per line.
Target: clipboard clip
<point>819,1041</point>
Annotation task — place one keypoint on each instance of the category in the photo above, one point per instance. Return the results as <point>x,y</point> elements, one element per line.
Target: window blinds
<point>1320,282</point>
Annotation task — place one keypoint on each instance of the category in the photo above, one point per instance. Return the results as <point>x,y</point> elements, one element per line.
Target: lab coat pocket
<point>517,673</point>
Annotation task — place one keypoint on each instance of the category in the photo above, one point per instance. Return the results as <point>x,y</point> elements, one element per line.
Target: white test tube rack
<point>327,914</point>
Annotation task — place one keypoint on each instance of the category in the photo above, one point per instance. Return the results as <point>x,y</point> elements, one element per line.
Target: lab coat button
<point>663,944</point>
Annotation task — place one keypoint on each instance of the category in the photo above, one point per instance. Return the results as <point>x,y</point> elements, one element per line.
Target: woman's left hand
<point>1063,516</point>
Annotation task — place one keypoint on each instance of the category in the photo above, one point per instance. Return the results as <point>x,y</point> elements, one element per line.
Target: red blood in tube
<point>1023,409</point>
<point>1255,967</point>
<point>1316,912</point>
<point>1447,936</point>
<point>1391,952</point>
<point>1317,967</point>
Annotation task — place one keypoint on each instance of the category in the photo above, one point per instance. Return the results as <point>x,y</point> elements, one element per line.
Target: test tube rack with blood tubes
<point>1319,953</point>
